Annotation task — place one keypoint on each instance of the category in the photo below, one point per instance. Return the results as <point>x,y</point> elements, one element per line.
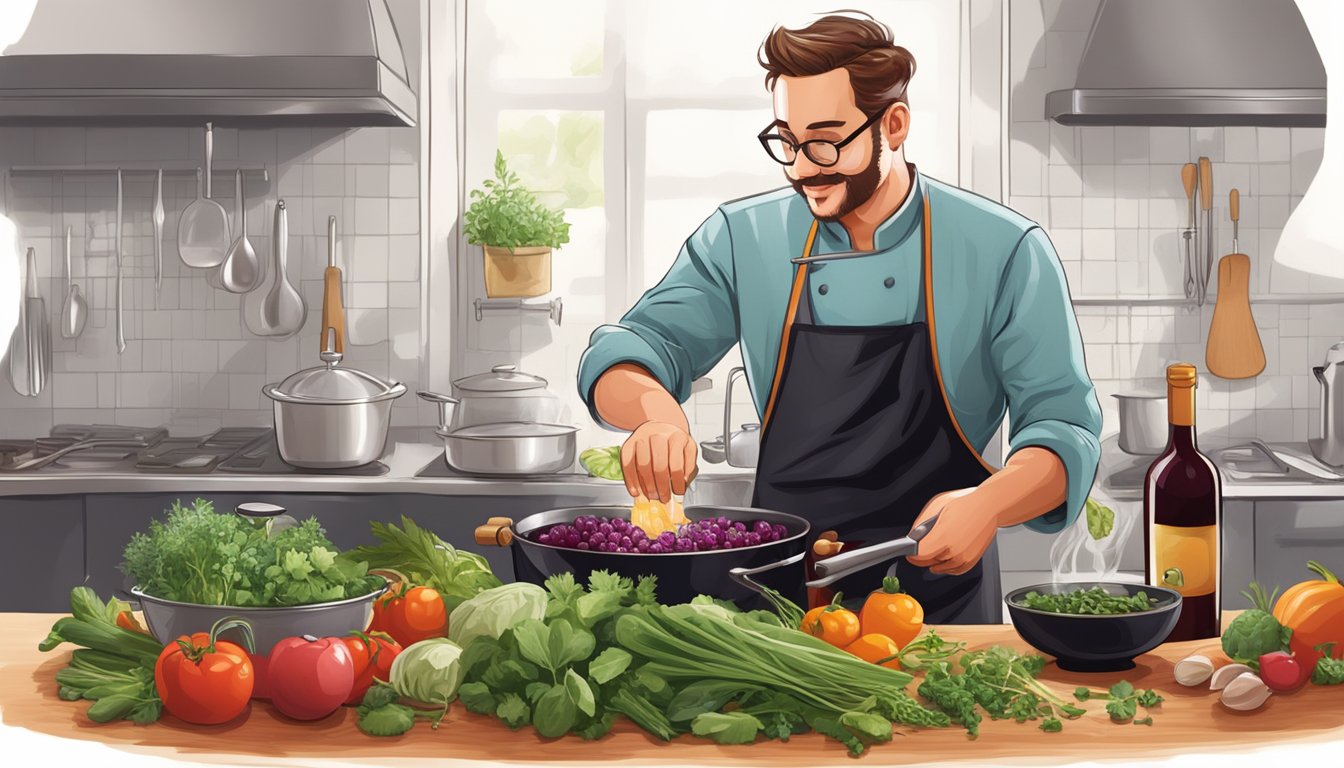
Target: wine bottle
<point>1182,501</point>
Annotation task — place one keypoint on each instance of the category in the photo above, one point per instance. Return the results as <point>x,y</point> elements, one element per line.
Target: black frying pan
<point>681,575</point>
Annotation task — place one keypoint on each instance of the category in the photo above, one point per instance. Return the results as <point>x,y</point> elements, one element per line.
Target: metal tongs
<point>835,568</point>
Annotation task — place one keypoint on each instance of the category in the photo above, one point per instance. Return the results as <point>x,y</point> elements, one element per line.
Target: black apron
<point>859,436</point>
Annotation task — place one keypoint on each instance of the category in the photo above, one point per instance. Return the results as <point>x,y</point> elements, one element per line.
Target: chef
<point>887,321</point>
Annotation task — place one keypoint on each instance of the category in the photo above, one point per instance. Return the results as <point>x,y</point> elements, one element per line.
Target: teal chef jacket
<point>1008,340</point>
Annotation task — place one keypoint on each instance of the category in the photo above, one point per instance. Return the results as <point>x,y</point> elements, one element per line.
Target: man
<point>886,320</point>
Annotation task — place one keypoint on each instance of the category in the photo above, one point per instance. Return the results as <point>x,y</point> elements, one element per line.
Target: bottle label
<point>1186,558</point>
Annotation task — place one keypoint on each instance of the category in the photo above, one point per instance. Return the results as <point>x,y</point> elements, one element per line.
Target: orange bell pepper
<point>891,612</point>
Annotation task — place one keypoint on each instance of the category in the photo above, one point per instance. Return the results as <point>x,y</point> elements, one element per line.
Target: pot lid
<point>334,384</point>
<point>511,429</point>
<point>501,378</point>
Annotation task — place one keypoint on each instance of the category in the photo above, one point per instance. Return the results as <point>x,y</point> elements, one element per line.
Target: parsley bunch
<point>1123,701</point>
<point>999,681</point>
<point>507,215</point>
<point>196,555</point>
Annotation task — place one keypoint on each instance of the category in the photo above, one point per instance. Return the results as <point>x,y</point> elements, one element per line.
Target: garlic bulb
<point>1245,692</point>
<point>1226,674</point>
<point>1193,670</point>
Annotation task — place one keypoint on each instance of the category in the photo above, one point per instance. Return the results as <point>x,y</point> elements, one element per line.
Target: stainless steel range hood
<point>1195,63</point>
<point>180,62</point>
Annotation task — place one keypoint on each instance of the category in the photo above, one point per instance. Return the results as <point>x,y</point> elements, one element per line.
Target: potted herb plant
<point>517,233</point>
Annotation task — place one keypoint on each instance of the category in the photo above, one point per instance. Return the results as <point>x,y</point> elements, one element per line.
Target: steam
<point>1076,556</point>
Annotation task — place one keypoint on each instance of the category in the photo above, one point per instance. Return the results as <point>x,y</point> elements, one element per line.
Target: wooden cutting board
<point>1234,350</point>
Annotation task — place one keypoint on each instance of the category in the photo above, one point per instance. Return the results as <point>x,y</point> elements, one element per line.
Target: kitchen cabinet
<point>41,551</point>
<point>1289,533</point>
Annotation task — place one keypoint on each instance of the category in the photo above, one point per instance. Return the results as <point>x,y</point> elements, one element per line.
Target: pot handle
<point>743,575</point>
<point>446,405</point>
<point>497,532</point>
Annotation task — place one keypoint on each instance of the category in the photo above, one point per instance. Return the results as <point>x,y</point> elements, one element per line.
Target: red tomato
<point>201,682</point>
<point>372,655</point>
<point>410,614</point>
<point>310,678</point>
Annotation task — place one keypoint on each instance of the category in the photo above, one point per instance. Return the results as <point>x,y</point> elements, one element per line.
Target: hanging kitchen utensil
<point>240,271</point>
<point>1206,202</point>
<point>1234,350</point>
<point>39,331</point>
<point>1190,180</point>
<point>275,308</point>
<point>157,217</point>
<point>203,228</point>
<point>121,329</point>
<point>19,362</point>
<point>75,311</point>
<point>333,305</point>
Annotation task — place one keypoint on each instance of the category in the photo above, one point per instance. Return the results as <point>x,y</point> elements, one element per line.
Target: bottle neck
<point>1181,415</point>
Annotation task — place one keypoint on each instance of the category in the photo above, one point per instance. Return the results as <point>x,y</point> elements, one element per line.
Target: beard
<point>857,188</point>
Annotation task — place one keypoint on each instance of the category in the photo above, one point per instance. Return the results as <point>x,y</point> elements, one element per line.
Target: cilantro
<point>513,711</point>
<point>1123,701</point>
<point>1328,670</point>
<point>1052,725</point>
<point>1144,720</point>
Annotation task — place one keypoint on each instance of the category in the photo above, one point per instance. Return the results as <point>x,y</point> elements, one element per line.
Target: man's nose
<point>803,167</point>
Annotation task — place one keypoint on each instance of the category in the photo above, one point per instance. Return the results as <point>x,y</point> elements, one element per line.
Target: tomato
<point>372,655</point>
<point>874,647</point>
<point>893,613</point>
<point>204,680</point>
<point>833,623</point>
<point>310,678</point>
<point>410,614</point>
<point>1282,673</point>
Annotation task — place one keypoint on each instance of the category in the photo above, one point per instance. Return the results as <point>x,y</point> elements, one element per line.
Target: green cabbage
<point>493,611</point>
<point>428,671</point>
<point>603,462</point>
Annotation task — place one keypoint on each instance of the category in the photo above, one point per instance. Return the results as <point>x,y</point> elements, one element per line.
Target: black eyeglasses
<point>822,152</point>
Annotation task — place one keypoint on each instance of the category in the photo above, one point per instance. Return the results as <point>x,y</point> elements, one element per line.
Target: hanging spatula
<point>1234,350</point>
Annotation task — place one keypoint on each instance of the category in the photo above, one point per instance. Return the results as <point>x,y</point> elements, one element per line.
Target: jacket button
<point>890,281</point>
<point>823,289</point>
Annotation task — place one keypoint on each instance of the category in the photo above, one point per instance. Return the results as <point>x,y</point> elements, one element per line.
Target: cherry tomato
<point>372,655</point>
<point>833,623</point>
<point>204,680</point>
<point>874,647</point>
<point>410,614</point>
<point>309,677</point>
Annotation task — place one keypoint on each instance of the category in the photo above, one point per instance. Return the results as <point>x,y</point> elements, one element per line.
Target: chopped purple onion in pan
<point>614,534</point>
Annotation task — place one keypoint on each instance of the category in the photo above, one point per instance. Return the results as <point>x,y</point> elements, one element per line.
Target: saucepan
<point>1143,423</point>
<point>738,575</point>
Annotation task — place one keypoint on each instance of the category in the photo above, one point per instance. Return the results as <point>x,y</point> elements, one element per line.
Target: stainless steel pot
<point>503,395</point>
<point>1143,423</point>
<point>510,448</point>
<point>330,417</point>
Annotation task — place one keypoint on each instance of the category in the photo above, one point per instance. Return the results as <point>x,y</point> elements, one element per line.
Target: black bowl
<point>1084,643</point>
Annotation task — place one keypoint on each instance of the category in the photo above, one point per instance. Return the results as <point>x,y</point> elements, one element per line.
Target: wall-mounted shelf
<point>1181,301</point>
<point>554,307</point>
<point>19,171</point>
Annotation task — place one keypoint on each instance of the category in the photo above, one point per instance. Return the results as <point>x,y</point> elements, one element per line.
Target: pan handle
<point>743,575</point>
<point>833,568</point>
<point>497,532</point>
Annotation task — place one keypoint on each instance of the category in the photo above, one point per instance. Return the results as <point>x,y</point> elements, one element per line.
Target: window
<point>640,117</point>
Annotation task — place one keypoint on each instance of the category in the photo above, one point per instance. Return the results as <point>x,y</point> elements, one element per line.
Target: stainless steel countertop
<point>1120,476</point>
<point>409,450</point>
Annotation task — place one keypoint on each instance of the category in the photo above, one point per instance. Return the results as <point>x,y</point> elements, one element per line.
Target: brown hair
<point>879,70</point>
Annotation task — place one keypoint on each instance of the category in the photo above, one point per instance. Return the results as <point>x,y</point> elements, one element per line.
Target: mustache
<point>821,180</point>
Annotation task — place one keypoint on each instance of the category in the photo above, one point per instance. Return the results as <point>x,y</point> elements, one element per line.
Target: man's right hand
<point>657,459</point>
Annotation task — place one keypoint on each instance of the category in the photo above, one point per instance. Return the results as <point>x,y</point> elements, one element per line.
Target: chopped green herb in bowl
<point>1090,602</point>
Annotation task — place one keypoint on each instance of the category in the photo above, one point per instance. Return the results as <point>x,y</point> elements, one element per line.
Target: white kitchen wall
<point>1112,202</point>
<point>189,362</point>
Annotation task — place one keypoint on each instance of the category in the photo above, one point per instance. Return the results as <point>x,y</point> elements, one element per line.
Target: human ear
<point>896,123</point>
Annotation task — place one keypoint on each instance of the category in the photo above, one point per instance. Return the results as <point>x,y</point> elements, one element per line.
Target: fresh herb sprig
<point>426,560</point>
<point>999,681</point>
<point>1328,670</point>
<point>1123,701</point>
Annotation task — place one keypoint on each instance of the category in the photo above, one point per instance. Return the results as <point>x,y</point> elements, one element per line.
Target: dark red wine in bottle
<point>1182,502</point>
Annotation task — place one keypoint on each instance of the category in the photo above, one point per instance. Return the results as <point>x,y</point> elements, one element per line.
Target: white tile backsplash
<point>1116,208</point>
<point>189,361</point>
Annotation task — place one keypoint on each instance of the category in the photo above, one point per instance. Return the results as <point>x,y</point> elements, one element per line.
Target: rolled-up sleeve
<point>1038,355</point>
<point>681,327</point>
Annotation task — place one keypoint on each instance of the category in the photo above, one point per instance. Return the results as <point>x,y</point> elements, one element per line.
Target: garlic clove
<point>1193,670</point>
<point>1226,674</point>
<point>1245,693</point>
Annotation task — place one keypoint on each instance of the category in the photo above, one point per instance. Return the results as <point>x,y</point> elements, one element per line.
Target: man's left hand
<point>965,529</point>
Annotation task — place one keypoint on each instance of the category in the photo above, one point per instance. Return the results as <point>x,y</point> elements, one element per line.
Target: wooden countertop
<point>1190,721</point>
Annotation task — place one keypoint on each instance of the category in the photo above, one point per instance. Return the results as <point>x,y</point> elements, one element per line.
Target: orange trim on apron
<point>796,294</point>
